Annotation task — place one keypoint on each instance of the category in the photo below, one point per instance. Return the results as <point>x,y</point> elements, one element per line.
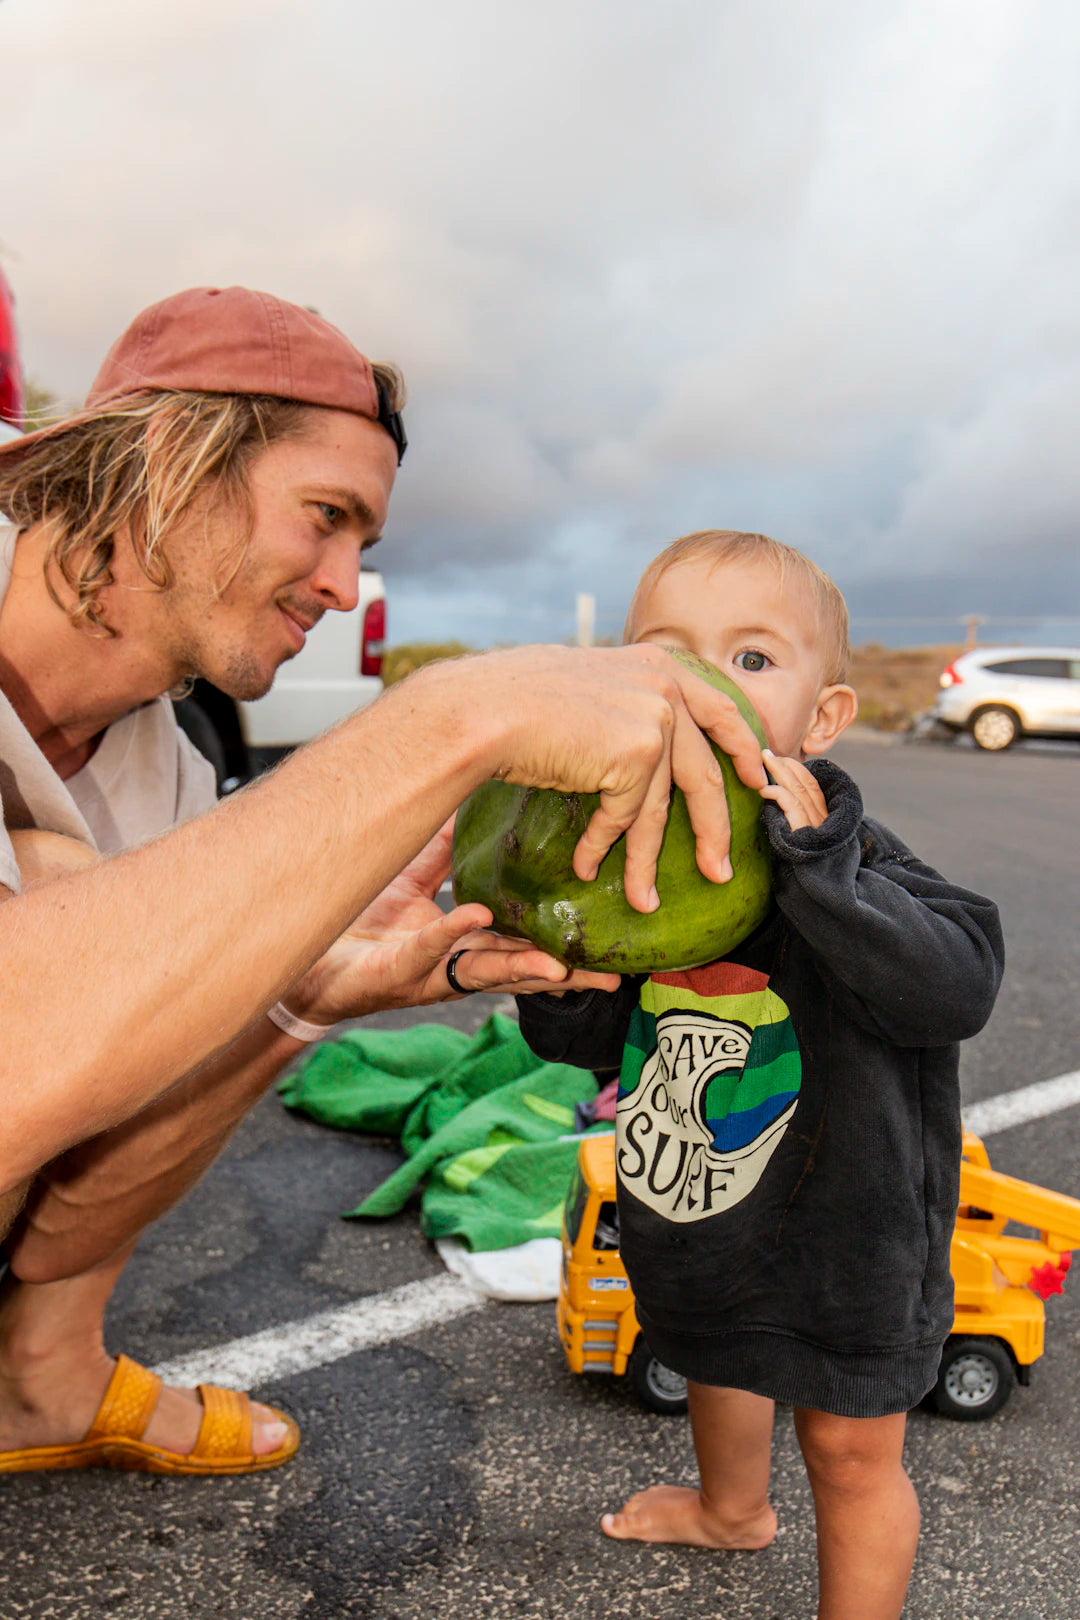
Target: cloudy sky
<point>648,265</point>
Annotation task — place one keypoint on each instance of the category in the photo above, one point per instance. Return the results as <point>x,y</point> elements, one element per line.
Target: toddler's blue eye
<point>753,662</point>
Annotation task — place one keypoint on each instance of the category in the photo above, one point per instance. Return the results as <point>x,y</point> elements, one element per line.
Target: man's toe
<point>267,1437</point>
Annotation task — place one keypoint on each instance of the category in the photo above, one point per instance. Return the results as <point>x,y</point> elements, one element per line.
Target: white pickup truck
<point>338,671</point>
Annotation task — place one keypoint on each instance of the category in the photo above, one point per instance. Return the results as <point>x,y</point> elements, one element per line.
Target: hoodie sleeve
<point>914,959</point>
<point>584,1027</point>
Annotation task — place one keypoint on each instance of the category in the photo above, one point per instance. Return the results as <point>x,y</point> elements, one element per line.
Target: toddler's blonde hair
<point>732,545</point>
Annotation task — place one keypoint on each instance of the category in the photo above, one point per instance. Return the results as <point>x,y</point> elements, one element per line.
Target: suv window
<point>1054,668</point>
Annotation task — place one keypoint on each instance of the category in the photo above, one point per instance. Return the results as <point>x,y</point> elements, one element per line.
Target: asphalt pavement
<point>461,1470</point>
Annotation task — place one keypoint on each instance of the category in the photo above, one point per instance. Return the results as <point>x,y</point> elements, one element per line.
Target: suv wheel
<point>995,729</point>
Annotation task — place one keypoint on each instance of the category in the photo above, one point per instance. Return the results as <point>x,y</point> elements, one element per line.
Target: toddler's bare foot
<point>676,1513</point>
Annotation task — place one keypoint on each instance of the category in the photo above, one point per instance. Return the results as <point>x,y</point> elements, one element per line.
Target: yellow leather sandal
<point>114,1438</point>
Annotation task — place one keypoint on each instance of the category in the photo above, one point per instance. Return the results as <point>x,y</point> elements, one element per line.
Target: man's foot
<point>51,1405</point>
<point>676,1513</point>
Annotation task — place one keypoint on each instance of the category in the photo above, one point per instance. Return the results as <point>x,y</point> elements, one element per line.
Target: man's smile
<point>298,624</point>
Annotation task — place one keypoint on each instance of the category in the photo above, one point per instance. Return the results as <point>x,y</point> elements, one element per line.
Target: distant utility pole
<point>972,622</point>
<point>586,618</point>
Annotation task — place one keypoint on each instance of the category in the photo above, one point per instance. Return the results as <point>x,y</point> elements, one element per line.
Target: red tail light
<point>949,677</point>
<point>374,637</point>
<point>11,388</point>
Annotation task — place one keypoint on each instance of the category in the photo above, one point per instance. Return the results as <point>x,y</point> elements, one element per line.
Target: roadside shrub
<point>401,661</point>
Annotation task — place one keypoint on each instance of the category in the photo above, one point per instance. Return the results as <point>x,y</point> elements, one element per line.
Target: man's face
<point>319,501</point>
<point>761,631</point>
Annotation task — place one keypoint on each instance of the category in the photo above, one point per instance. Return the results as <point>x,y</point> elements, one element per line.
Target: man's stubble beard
<point>244,680</point>
<point>236,672</point>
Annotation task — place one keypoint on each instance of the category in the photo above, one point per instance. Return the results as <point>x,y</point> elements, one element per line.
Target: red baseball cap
<point>230,340</point>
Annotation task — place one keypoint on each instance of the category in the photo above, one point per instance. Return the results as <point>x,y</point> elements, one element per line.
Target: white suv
<point>338,670</point>
<point>1001,693</point>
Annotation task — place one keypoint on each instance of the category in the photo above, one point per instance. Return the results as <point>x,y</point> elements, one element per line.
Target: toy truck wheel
<point>654,1384</point>
<point>975,1379</point>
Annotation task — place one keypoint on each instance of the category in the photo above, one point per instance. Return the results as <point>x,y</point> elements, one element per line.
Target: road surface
<point>457,1469</point>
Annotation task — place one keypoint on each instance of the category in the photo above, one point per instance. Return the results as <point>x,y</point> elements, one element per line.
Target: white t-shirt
<point>144,775</point>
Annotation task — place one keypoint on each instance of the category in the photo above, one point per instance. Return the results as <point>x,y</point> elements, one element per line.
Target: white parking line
<point>295,1347</point>
<point>1017,1107</point>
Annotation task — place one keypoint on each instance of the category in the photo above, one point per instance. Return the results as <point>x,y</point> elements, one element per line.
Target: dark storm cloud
<point>806,269</point>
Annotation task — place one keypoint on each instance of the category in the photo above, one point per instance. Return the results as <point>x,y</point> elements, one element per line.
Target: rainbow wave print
<point>710,1078</point>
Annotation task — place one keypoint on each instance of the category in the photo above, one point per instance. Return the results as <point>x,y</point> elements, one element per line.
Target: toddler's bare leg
<point>732,1439</point>
<point>867,1513</point>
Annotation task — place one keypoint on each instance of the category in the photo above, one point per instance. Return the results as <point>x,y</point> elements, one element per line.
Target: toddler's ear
<point>837,707</point>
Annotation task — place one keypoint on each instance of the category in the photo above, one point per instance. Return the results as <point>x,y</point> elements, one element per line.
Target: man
<point>235,457</point>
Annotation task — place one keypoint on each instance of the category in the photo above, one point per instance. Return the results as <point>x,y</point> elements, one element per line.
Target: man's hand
<point>795,791</point>
<point>394,954</point>
<point>625,722</point>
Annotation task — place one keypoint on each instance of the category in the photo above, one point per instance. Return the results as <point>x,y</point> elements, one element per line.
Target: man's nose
<point>337,574</point>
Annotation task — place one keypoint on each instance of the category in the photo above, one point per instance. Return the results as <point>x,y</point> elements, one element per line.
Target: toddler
<point>788,1123</point>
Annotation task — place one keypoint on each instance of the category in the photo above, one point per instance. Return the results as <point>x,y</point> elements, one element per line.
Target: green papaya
<point>513,850</point>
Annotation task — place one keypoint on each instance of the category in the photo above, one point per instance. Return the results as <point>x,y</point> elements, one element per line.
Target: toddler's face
<point>762,631</point>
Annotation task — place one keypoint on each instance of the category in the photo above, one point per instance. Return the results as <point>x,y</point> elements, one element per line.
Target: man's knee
<point>42,856</point>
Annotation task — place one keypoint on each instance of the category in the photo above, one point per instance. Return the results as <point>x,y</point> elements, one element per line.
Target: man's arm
<point>122,978</point>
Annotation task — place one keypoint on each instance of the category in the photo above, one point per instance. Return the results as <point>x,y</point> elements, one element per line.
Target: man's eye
<point>331,513</point>
<point>751,661</point>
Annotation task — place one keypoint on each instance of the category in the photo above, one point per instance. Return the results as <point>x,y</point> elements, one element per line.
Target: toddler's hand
<point>794,790</point>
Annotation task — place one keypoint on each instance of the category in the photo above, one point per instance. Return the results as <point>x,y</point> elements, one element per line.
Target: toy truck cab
<point>598,1324</point>
<point>1001,1282</point>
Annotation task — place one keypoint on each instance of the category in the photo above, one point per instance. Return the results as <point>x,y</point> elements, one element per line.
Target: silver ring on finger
<point>452,978</point>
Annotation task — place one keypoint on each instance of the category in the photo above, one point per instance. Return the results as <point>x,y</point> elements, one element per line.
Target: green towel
<point>486,1123</point>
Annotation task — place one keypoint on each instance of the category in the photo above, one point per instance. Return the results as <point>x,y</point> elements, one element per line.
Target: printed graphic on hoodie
<point>710,1079</point>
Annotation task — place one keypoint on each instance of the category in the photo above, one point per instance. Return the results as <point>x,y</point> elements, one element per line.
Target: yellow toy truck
<point>1001,1282</point>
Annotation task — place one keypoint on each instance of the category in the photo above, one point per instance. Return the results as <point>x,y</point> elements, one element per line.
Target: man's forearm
<point>121,978</point>
<point>160,956</point>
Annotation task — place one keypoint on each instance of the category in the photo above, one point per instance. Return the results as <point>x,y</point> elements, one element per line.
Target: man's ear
<point>837,707</point>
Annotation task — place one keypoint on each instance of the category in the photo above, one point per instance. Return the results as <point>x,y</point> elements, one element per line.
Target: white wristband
<point>280,1015</point>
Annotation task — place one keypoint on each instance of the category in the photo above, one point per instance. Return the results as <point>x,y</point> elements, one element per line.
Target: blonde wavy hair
<point>138,465</point>
<point>733,545</point>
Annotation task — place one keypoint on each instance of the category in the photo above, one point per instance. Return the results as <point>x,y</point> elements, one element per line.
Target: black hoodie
<point>789,1121</point>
